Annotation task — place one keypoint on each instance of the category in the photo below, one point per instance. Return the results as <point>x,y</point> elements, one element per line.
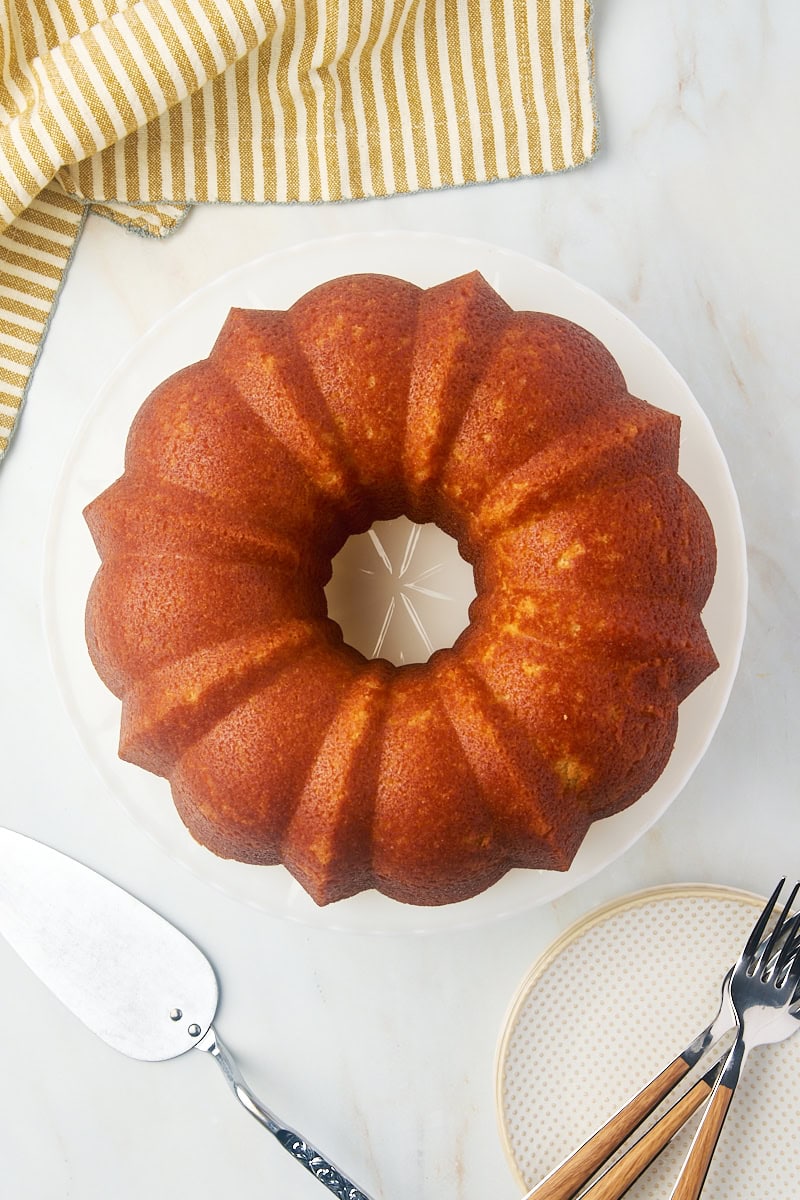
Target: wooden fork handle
<point>567,1180</point>
<point>695,1168</point>
<point>627,1169</point>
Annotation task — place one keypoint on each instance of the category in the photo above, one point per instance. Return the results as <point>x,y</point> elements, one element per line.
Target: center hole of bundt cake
<point>400,591</point>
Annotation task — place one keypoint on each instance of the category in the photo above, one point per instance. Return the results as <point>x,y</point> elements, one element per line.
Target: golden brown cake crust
<point>247,472</point>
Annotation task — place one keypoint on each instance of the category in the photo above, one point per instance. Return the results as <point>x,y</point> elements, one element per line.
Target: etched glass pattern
<point>400,591</point>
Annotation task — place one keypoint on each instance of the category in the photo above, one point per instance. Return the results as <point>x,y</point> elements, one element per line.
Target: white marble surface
<point>382,1049</point>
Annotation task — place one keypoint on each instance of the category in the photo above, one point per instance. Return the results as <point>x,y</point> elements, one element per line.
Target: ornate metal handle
<point>301,1150</point>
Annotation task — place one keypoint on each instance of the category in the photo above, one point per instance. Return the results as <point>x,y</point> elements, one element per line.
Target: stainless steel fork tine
<point>793,976</point>
<point>780,928</point>
<point>791,981</point>
<point>788,955</point>
<point>761,924</point>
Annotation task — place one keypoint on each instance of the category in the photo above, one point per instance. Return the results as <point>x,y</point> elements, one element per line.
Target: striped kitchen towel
<point>138,110</point>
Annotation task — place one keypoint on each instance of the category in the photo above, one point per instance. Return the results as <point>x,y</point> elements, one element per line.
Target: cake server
<point>127,973</point>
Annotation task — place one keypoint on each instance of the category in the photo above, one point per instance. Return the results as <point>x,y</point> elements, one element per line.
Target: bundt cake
<point>247,472</point>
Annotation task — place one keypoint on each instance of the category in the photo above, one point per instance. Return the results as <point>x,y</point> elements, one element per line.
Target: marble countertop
<point>382,1048</point>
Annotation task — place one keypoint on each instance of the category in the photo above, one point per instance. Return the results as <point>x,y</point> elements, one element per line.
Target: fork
<point>614,1182</point>
<point>566,1180</point>
<point>765,993</point>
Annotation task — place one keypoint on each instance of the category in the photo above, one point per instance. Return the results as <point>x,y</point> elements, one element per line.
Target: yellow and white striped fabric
<point>136,110</point>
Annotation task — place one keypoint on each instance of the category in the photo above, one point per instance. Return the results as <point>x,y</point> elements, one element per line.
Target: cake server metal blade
<point>117,965</point>
<point>128,974</point>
